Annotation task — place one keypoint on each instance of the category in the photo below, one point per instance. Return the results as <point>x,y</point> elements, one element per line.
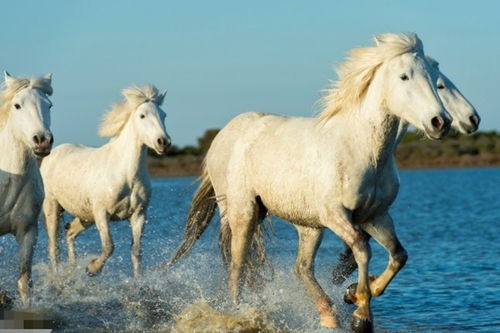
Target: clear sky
<point>221,58</point>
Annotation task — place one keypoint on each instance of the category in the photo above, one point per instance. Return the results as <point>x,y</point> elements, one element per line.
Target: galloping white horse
<point>24,137</point>
<point>108,183</point>
<point>465,119</point>
<point>325,172</point>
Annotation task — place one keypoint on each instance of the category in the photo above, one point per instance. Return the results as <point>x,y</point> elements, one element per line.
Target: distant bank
<point>479,150</point>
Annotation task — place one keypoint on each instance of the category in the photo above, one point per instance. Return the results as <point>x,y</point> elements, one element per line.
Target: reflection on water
<point>448,220</point>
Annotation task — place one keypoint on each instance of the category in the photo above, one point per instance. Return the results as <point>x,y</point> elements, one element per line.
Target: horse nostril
<point>437,122</point>
<point>39,139</point>
<point>474,120</point>
<point>161,142</point>
<point>51,139</point>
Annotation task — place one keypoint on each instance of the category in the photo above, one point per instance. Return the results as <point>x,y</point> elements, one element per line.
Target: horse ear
<point>162,96</point>
<point>378,40</point>
<point>48,77</point>
<point>433,62</point>
<point>8,78</point>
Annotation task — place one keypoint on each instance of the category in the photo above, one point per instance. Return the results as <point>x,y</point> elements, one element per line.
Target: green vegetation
<point>414,151</point>
<point>480,149</point>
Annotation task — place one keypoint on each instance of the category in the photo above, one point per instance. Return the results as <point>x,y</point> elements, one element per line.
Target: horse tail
<point>256,259</point>
<point>200,214</point>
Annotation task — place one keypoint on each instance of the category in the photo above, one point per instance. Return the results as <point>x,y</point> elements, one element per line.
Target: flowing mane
<point>116,118</point>
<point>356,72</point>
<point>15,85</point>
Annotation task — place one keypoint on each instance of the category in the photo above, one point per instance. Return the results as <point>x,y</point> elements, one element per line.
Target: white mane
<point>115,119</point>
<point>356,72</point>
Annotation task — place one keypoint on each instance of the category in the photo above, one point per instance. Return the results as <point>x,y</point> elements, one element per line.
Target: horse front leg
<point>136,224</point>
<point>309,240</point>
<point>27,241</point>
<point>382,230</point>
<point>102,224</point>
<point>346,264</point>
<point>339,220</point>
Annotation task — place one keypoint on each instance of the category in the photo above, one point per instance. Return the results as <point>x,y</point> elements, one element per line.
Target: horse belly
<point>294,210</point>
<point>78,207</point>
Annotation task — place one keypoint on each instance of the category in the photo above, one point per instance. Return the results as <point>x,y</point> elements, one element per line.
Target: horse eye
<point>404,77</point>
<point>441,86</point>
<point>17,106</point>
<point>142,116</point>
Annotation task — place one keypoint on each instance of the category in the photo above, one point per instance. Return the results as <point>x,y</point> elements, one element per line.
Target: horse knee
<point>400,257</point>
<point>362,251</point>
<point>301,269</point>
<point>109,249</point>
<point>136,250</point>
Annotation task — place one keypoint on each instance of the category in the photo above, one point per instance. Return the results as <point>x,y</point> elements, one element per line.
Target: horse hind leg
<point>52,213</point>
<point>27,241</point>
<point>73,229</point>
<point>241,219</point>
<point>309,240</point>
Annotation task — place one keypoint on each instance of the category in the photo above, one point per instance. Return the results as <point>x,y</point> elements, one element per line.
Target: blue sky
<point>221,58</point>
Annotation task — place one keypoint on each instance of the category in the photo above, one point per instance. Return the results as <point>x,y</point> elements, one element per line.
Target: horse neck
<point>16,157</point>
<point>130,151</point>
<point>373,130</point>
<point>402,129</point>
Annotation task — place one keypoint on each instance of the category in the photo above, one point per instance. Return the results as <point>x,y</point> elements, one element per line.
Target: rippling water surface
<point>448,220</point>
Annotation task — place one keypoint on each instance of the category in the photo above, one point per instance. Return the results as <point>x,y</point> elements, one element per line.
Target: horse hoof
<point>360,325</point>
<point>5,301</point>
<point>91,272</point>
<point>328,322</point>
<point>350,294</point>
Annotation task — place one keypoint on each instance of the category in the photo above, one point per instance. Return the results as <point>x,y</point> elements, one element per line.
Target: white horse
<point>465,120</point>
<point>108,183</point>
<point>325,172</point>
<point>24,137</point>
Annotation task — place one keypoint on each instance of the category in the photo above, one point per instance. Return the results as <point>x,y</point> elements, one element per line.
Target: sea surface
<point>448,220</point>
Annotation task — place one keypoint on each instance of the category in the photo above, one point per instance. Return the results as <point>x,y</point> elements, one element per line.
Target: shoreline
<point>190,166</point>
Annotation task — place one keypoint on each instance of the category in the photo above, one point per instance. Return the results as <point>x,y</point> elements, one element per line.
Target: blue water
<point>448,220</point>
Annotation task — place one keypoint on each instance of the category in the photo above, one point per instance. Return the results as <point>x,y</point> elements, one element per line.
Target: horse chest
<point>20,200</point>
<point>370,197</point>
<point>127,201</point>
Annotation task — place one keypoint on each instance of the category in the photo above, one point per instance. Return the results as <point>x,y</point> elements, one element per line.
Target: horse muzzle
<point>162,145</point>
<point>439,127</point>
<point>43,144</point>
<point>471,126</point>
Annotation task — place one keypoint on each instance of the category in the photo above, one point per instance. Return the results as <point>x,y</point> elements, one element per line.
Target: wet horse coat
<point>24,136</point>
<point>465,120</point>
<point>108,183</point>
<point>325,172</point>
